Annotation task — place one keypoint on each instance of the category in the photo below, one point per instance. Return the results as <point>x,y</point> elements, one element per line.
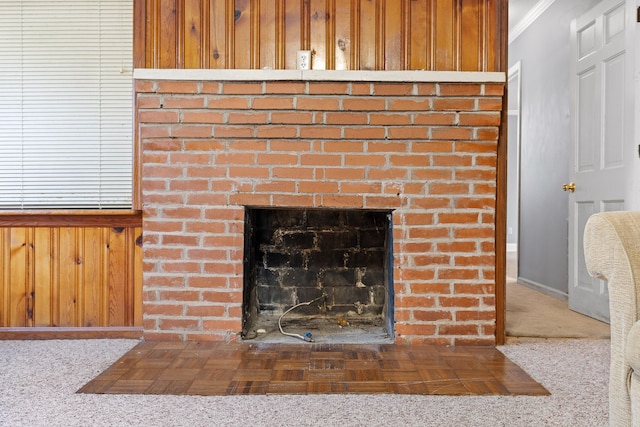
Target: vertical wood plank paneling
<point>128,291</point>
<point>242,35</point>
<point>368,35</point>
<point>105,283</point>
<point>292,32</point>
<point>355,34</point>
<point>469,41</point>
<point>356,31</point>
<point>192,40</point>
<point>267,40</point>
<point>168,37</point>
<point>230,36</point>
<point>5,274</point>
<point>136,268</point>
<point>42,280</point>
<point>79,302</point>
<point>495,33</point>
<point>432,34</point>
<point>305,24</point>
<point>381,33</point>
<point>330,42</point>
<point>254,31</point>
<point>219,35</point>
<point>30,274</point>
<point>342,38</point>
<point>68,276</point>
<point>150,21</point>
<point>80,289</point>
<point>92,284</point>
<point>205,31</point>
<point>483,7</point>
<point>118,272</point>
<point>457,34</point>
<point>18,286</point>
<point>181,33</point>
<point>280,35</point>
<point>140,35</point>
<point>55,276</point>
<point>393,37</point>
<point>419,35</point>
<point>318,33</point>
<point>444,35</point>
<point>405,37</point>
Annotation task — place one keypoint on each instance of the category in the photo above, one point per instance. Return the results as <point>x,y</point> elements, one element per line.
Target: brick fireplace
<point>418,146</point>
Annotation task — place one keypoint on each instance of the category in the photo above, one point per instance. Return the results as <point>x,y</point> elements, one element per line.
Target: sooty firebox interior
<point>320,275</point>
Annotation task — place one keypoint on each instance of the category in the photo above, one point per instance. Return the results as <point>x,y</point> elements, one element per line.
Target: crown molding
<point>529,18</point>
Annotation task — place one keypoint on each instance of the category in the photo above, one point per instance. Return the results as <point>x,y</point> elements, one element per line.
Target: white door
<point>601,128</point>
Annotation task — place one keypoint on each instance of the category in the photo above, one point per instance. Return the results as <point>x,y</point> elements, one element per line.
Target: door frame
<point>502,65</point>
<point>515,71</point>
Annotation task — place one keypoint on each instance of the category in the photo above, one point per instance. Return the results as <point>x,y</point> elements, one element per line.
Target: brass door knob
<point>569,187</point>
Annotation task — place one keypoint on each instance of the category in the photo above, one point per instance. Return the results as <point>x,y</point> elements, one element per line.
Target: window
<point>66,104</point>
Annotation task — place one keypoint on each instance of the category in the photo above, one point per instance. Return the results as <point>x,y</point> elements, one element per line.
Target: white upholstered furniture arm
<point>612,252</point>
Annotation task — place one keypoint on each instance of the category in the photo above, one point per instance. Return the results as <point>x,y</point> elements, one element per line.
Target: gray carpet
<point>38,381</point>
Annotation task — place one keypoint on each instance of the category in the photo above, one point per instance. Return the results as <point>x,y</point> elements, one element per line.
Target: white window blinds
<point>66,104</point>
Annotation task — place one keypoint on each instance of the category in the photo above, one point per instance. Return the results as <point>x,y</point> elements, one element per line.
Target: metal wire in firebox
<point>308,336</point>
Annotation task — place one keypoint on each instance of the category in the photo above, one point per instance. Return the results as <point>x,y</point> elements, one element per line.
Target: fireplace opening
<point>322,275</point>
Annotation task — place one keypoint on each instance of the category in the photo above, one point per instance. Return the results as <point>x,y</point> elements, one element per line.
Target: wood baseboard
<point>53,333</point>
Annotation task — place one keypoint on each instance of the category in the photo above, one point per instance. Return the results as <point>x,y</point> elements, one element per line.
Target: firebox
<point>318,275</point>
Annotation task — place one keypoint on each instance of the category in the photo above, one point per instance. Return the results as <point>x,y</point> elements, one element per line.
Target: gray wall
<point>633,153</point>
<point>544,51</point>
<point>512,160</point>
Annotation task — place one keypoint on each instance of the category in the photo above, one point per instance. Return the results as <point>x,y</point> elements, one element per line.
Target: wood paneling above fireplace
<point>455,35</point>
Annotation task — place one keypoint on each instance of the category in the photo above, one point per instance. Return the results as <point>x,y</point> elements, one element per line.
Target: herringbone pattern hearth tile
<point>215,369</point>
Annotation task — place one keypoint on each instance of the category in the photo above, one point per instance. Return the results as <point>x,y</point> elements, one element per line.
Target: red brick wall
<point>425,150</point>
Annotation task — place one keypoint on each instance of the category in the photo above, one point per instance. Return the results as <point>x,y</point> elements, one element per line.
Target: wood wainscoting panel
<point>442,35</point>
<point>70,277</point>
<point>43,279</point>
<point>16,283</point>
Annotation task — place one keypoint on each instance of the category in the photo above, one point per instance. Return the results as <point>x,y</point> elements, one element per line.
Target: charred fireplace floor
<point>324,329</point>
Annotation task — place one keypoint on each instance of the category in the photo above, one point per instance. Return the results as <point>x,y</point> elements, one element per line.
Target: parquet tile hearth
<point>218,369</point>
